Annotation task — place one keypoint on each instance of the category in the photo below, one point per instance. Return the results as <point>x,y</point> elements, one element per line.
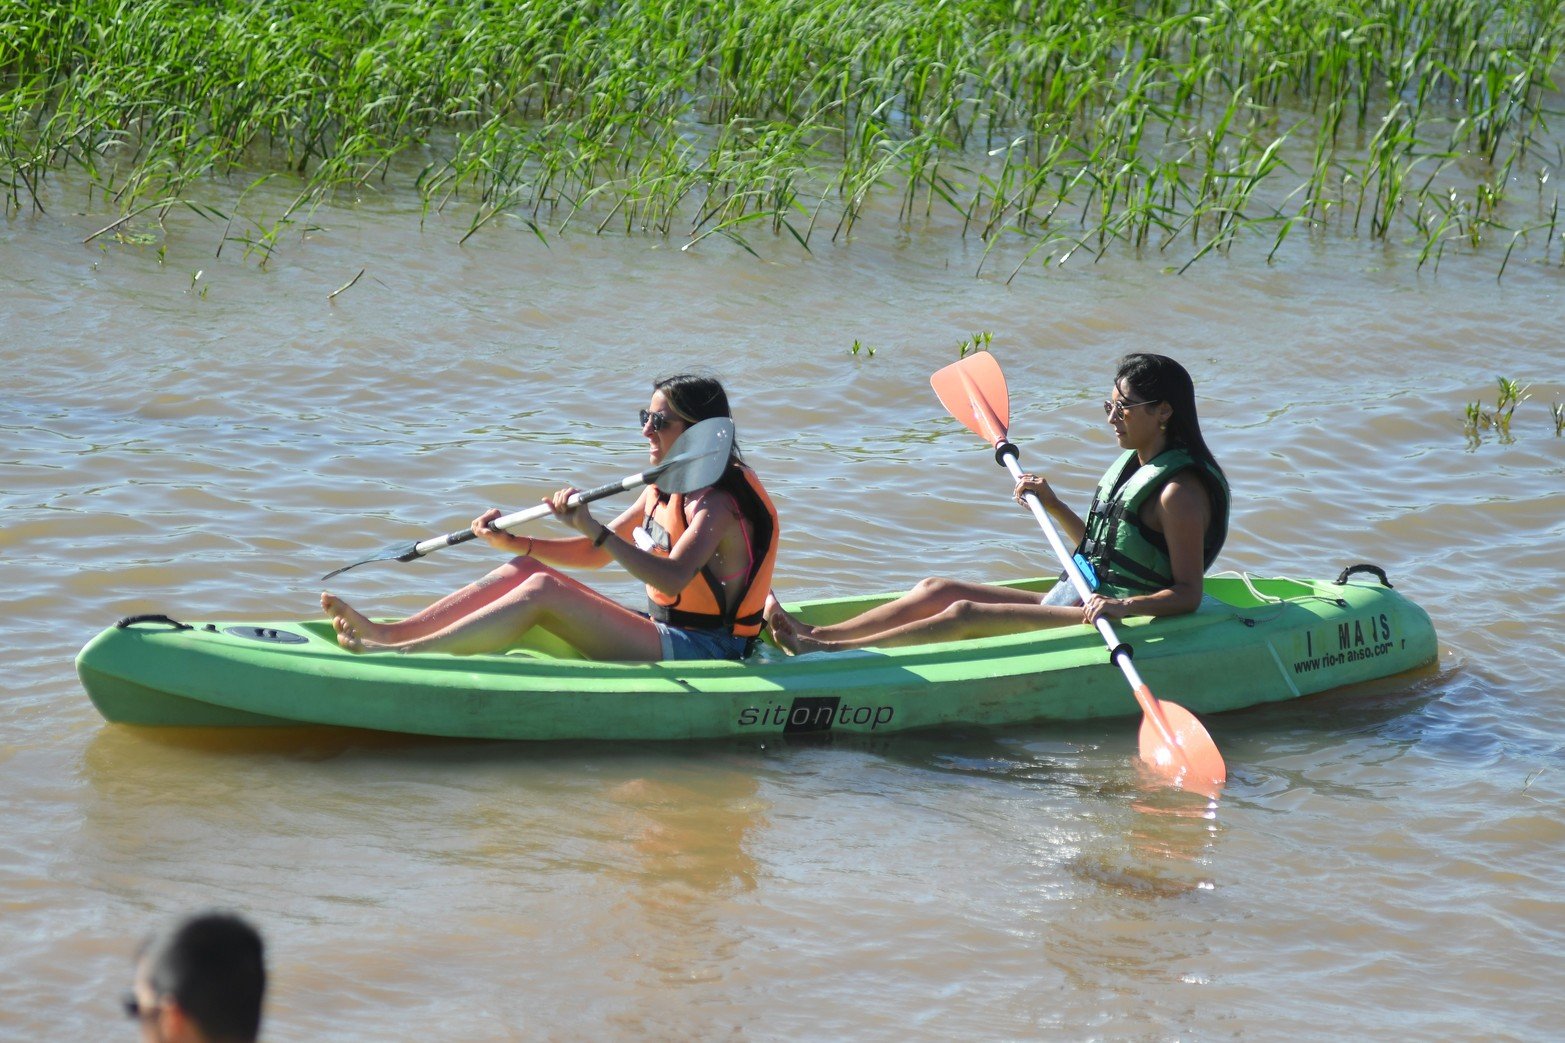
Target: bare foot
<point>347,637</point>
<point>790,635</point>
<point>808,642</point>
<point>350,621</point>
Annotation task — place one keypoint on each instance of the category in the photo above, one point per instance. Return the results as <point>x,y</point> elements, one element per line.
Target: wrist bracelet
<point>603,534</point>
<point>529,551</point>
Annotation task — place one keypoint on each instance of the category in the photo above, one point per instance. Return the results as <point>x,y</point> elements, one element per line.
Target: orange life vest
<point>700,605</point>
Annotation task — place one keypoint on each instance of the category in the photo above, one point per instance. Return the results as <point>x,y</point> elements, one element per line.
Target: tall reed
<point>1038,126</point>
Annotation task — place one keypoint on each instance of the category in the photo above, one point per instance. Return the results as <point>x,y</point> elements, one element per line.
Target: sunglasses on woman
<point>658,419</point>
<point>1114,410</point>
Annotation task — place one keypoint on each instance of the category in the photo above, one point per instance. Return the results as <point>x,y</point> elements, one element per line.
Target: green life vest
<point>1129,557</point>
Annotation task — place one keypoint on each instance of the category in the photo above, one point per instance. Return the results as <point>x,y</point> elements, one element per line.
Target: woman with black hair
<point>706,558</point>
<point>1157,522</point>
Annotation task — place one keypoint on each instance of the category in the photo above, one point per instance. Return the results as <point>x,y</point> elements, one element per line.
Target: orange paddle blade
<point>1194,763</point>
<point>973,390</point>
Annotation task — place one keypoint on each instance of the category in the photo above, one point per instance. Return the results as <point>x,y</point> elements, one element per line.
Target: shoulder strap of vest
<point>1170,463</point>
<point>737,483</point>
<point>1217,489</point>
<point>1103,516</point>
<point>1151,476</point>
<point>1114,477</point>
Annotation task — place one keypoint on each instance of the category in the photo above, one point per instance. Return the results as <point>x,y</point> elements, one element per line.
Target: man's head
<point>202,982</point>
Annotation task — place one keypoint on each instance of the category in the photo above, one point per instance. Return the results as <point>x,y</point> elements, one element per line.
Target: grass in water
<point>1046,128</point>
<point>977,342</point>
<point>1509,394</point>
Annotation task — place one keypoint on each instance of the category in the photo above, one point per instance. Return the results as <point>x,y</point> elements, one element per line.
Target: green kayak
<point>1253,641</point>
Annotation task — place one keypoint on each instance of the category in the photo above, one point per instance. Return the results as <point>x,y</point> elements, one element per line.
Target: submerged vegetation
<point>1508,395</point>
<point>1043,128</point>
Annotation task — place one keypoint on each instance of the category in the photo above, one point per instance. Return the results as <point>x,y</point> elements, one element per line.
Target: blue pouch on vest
<point>1088,573</point>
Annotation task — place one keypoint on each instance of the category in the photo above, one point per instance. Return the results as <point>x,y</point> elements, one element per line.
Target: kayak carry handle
<point>151,617</point>
<point>1374,570</point>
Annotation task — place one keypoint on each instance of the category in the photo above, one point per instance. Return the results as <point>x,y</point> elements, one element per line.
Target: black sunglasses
<point>659,419</point>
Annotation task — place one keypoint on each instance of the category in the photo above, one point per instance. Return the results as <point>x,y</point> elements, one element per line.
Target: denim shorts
<point>683,643</point>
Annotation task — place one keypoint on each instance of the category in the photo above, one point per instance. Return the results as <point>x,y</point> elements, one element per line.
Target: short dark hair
<point>214,966</point>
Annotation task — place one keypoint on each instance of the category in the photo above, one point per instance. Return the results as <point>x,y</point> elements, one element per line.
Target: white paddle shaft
<point>1072,572</point>
<point>510,522</point>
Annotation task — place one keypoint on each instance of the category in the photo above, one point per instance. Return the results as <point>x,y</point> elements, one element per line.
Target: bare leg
<point>956,622</point>
<point>353,624</point>
<point>929,597</point>
<point>572,611</point>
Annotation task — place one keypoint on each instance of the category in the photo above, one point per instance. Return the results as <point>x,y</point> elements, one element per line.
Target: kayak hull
<point>1242,648</point>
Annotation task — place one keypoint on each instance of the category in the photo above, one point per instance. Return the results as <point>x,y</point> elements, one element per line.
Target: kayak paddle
<point>1172,742</point>
<point>696,460</point>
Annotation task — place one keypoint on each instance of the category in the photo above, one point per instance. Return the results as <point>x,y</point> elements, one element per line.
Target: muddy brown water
<point>1385,862</point>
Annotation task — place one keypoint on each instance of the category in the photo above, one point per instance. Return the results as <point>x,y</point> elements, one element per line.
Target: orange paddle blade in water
<point>1192,761</point>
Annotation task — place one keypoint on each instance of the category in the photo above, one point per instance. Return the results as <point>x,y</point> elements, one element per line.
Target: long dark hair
<point>1158,378</point>
<point>695,398</point>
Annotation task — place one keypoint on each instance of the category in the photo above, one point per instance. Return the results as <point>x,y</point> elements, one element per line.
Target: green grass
<point>1508,395</point>
<point>1043,128</point>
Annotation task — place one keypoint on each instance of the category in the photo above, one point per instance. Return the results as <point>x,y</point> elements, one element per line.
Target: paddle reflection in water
<point>1164,851</point>
<point>1147,840</point>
